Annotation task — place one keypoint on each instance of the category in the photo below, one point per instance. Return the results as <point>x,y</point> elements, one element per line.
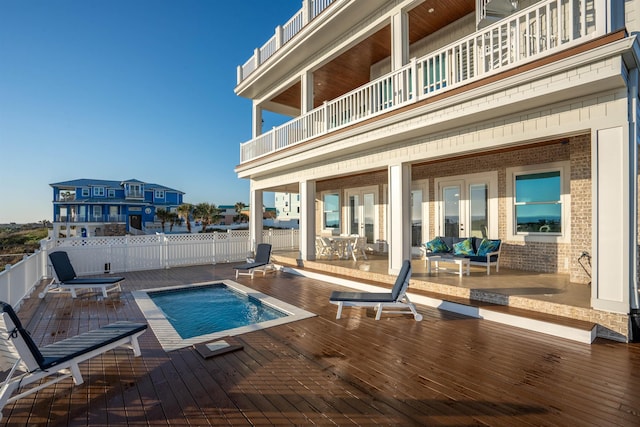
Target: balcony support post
<point>399,216</point>
<point>306,101</point>
<point>256,130</point>
<point>399,40</point>
<point>255,217</point>
<point>307,220</point>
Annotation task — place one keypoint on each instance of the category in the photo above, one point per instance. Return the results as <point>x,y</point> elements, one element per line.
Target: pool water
<point>206,309</point>
<point>209,311</point>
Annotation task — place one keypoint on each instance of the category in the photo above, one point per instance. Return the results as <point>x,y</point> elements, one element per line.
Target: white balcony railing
<point>135,253</point>
<point>542,29</point>
<point>284,33</point>
<point>90,218</point>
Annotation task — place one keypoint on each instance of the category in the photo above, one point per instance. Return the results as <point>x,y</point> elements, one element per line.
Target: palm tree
<point>239,206</point>
<point>164,216</point>
<point>185,210</point>
<point>173,218</point>
<point>207,214</point>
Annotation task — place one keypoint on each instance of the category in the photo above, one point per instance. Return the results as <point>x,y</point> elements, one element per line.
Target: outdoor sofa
<point>478,251</point>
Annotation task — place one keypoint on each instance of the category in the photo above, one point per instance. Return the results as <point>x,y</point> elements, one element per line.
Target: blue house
<point>93,207</point>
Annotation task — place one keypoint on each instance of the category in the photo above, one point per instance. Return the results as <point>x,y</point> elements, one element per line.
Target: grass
<point>17,241</point>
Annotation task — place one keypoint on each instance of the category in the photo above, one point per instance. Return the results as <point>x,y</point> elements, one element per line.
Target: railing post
<point>256,57</point>
<point>325,108</point>
<point>274,139</point>
<point>279,37</point>
<point>414,80</point>
<point>306,12</point>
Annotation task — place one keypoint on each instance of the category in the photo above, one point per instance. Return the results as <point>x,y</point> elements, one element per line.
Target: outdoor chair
<point>396,299</point>
<point>27,364</point>
<point>68,281</point>
<point>261,262</point>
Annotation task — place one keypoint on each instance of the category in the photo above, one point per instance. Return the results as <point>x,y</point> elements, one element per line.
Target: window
<point>538,207</point>
<point>331,210</point>
<point>159,194</point>
<point>111,193</point>
<point>98,191</point>
<point>85,192</point>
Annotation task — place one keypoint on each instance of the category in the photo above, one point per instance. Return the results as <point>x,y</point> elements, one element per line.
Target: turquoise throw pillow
<point>436,246</point>
<point>464,247</point>
<point>488,246</point>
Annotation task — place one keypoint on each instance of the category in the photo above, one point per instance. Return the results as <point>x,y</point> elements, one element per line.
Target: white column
<point>308,220</point>
<point>399,216</point>
<point>255,217</point>
<point>306,92</point>
<point>256,126</point>
<point>613,220</point>
<point>399,40</point>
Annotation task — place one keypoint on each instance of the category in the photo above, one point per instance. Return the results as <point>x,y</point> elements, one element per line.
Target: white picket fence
<point>119,254</point>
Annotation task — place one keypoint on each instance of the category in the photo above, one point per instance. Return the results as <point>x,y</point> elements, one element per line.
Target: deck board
<point>448,370</point>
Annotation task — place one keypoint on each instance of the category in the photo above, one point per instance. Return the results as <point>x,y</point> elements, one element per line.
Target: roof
<point>84,182</point>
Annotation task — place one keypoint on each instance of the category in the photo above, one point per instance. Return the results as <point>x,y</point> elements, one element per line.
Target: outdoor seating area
<point>27,364</point>
<point>341,247</point>
<point>261,262</point>
<point>448,369</point>
<point>463,251</point>
<point>69,282</point>
<point>397,300</point>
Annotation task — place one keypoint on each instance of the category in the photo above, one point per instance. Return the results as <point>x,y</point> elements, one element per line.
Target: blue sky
<point>121,89</point>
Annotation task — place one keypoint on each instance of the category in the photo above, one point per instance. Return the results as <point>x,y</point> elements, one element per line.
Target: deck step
<point>563,327</point>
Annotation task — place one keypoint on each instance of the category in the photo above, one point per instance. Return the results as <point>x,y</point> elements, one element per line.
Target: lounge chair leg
<point>75,373</point>
<point>135,346</point>
<point>379,311</point>
<point>339,311</point>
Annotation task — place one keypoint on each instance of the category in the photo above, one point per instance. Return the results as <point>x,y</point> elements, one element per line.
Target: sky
<point>126,89</point>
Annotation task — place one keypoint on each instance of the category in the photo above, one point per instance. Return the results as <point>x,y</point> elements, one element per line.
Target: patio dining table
<point>343,245</point>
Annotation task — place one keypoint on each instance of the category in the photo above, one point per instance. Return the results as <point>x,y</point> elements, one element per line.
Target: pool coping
<point>169,338</point>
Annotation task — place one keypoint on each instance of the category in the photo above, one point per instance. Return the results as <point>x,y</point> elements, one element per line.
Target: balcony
<point>543,29</point>
<point>283,33</point>
<point>75,219</point>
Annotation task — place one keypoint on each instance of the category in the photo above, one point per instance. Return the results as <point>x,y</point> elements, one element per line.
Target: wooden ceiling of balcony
<point>351,69</point>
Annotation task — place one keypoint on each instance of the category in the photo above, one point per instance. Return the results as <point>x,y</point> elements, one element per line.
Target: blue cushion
<point>464,247</point>
<point>475,258</point>
<point>436,246</point>
<point>488,246</point>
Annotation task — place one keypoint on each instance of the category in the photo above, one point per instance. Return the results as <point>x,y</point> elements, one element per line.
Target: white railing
<point>19,280</point>
<point>283,33</point>
<point>118,254</point>
<point>539,30</point>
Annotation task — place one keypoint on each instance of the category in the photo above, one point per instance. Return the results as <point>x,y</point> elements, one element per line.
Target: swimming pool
<point>181,316</point>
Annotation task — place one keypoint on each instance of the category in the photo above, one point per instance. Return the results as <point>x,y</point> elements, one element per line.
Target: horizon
<point>119,90</point>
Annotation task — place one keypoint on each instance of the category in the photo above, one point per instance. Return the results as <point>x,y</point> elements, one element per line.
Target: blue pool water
<point>212,308</point>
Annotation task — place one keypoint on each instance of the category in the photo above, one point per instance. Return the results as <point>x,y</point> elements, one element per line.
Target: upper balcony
<point>544,28</point>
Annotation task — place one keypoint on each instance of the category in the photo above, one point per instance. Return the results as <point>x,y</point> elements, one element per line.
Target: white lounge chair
<point>68,281</point>
<point>262,262</point>
<point>397,299</point>
<point>27,364</point>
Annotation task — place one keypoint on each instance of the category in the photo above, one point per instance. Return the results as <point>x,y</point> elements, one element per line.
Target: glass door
<point>452,214</point>
<point>419,214</point>
<point>465,207</point>
<point>361,212</point>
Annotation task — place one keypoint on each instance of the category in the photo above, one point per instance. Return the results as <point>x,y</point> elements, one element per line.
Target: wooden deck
<point>447,370</point>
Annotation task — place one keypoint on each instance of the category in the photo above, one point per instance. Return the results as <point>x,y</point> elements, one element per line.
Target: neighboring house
<point>92,207</point>
<point>228,214</point>
<point>515,120</point>
<point>287,206</point>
